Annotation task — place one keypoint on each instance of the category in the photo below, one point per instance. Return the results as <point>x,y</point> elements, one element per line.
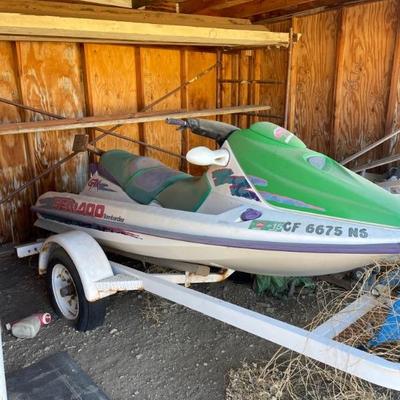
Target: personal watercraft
<point>266,205</point>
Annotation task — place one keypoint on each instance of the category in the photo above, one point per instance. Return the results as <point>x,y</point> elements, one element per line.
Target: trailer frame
<point>318,344</point>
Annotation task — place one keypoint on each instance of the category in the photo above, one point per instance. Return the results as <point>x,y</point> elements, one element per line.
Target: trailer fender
<point>89,258</point>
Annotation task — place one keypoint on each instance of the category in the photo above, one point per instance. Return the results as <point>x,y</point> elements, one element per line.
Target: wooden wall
<point>345,83</point>
<point>344,94</point>
<point>73,79</point>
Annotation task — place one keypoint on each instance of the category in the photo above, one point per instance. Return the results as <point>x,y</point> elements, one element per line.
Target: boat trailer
<point>102,277</point>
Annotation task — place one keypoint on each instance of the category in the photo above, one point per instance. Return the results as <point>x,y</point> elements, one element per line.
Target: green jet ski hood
<point>289,175</point>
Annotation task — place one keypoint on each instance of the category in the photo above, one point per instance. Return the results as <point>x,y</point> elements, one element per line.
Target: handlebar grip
<point>177,122</point>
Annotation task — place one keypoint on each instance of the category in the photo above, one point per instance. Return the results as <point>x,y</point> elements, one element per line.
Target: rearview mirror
<point>204,156</point>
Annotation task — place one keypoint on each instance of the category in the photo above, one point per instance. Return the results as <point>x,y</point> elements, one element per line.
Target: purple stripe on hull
<point>377,248</point>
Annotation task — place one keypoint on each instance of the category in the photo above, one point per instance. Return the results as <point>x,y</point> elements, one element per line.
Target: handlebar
<point>178,122</point>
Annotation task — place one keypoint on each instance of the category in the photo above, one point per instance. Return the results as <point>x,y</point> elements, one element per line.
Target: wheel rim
<point>64,291</point>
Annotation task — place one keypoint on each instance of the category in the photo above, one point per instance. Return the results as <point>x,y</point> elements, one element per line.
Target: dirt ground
<point>148,348</point>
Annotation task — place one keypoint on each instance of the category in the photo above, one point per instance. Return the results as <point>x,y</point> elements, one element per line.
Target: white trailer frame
<point>317,344</point>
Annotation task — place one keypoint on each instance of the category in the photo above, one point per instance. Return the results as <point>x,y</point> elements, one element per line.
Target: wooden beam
<point>304,9</point>
<point>61,9</point>
<point>208,6</point>
<point>261,11</point>
<point>377,163</point>
<point>140,117</point>
<point>203,47</point>
<point>150,3</point>
<point>257,7</point>
<point>127,26</point>
<point>112,3</point>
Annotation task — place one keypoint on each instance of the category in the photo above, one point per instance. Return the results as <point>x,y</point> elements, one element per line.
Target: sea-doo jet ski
<point>266,205</point>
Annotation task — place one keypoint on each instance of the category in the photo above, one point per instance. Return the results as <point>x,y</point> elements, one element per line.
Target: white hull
<point>261,262</point>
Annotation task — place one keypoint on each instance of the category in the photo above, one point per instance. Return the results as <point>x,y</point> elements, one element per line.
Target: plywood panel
<point>364,70</point>
<point>51,79</point>
<point>112,88</point>
<point>314,69</point>
<point>274,64</point>
<point>15,217</point>
<point>160,69</point>
<point>200,94</point>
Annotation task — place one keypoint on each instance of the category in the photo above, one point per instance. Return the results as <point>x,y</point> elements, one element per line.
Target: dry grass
<point>155,308</point>
<point>291,376</point>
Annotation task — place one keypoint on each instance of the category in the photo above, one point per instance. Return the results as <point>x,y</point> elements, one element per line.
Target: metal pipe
<point>251,81</point>
<point>255,114</point>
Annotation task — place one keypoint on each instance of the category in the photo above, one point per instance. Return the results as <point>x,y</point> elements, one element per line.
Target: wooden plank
<point>33,38</point>
<point>49,19</point>
<point>264,11</point>
<point>61,9</point>
<point>137,118</point>
<point>85,28</point>
<point>274,67</point>
<point>365,61</point>
<point>111,89</point>
<point>256,7</point>
<point>109,3</point>
<point>208,6</point>
<point>200,95</point>
<point>389,136</point>
<point>51,79</point>
<point>377,163</point>
<point>15,168</point>
<point>160,74</point>
<point>315,55</point>
<point>304,9</point>
<point>116,3</point>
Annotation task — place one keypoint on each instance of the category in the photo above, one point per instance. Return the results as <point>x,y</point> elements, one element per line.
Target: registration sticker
<point>262,225</point>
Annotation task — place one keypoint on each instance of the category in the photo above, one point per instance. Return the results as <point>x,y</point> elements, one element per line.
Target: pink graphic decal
<point>282,133</point>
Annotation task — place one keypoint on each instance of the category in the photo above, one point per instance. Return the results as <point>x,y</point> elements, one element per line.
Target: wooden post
<point>219,81</point>
<point>337,85</point>
<point>394,91</point>
<point>184,105</point>
<point>288,82</point>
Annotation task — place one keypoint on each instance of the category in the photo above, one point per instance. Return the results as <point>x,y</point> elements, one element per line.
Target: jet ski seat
<point>145,179</point>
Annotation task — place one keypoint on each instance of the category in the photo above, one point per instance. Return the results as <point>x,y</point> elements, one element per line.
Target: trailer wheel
<point>67,296</point>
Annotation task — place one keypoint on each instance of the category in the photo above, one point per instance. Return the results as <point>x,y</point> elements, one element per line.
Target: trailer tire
<point>69,301</point>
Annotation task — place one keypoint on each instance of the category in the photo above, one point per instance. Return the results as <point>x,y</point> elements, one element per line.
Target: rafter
<point>208,6</point>
<point>258,10</point>
<point>304,8</point>
<point>257,7</point>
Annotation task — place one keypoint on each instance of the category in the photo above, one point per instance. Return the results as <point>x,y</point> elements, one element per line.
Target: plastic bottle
<point>28,327</point>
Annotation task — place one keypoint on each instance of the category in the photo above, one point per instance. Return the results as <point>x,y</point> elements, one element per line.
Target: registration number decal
<point>311,229</point>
